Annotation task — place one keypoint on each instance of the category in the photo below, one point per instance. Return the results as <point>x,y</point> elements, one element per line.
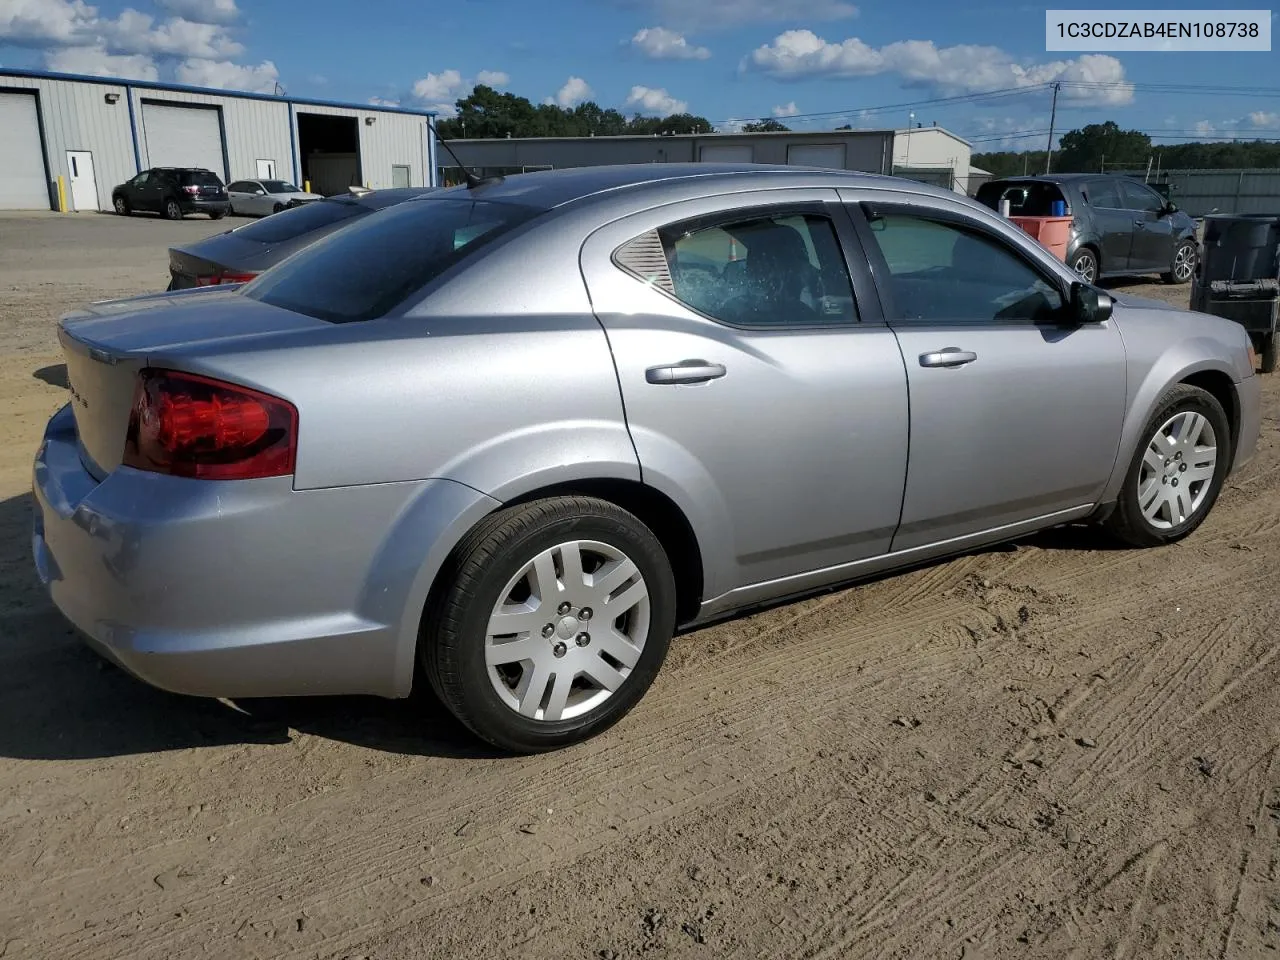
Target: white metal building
<point>97,132</point>
<point>922,150</point>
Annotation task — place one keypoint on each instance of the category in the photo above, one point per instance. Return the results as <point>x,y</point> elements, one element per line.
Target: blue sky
<point>727,60</point>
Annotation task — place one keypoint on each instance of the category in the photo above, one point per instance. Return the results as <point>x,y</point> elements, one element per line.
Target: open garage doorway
<point>329,149</point>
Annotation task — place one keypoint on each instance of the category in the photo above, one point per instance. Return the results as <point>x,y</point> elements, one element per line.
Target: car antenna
<point>472,180</point>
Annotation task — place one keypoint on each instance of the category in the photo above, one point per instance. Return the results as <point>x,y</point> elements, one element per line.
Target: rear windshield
<point>1027,198</point>
<point>288,224</point>
<point>369,268</point>
<point>198,178</point>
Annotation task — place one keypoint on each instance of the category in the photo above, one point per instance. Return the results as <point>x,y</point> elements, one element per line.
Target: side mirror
<point>1169,208</point>
<point>1089,304</point>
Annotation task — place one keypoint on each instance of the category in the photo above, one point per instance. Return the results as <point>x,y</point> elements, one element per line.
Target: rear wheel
<point>553,622</point>
<point>1184,264</point>
<point>1177,472</point>
<point>1085,263</point>
<point>121,205</point>
<point>172,210</point>
<point>217,214</point>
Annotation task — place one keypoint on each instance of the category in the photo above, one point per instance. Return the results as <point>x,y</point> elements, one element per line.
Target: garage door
<point>183,137</point>
<point>827,155</point>
<point>22,182</point>
<point>726,153</point>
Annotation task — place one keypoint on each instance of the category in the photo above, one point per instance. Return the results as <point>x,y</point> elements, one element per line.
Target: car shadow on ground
<point>60,701</point>
<point>55,375</point>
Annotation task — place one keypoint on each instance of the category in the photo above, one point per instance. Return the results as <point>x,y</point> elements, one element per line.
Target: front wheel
<point>1085,264</point>
<point>553,621</point>
<point>1177,472</point>
<point>121,205</point>
<point>277,208</point>
<point>172,210</point>
<point>1184,264</point>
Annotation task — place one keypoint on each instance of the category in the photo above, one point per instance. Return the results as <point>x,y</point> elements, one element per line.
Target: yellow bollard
<point>62,195</point>
<point>306,186</point>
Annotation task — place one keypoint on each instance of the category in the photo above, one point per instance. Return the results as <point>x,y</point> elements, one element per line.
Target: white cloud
<point>41,22</point>
<point>203,11</point>
<point>440,86</point>
<point>493,78</point>
<point>96,62</point>
<point>731,126</point>
<point>659,43</point>
<point>1264,119</point>
<point>724,13</point>
<point>225,75</point>
<point>786,110</point>
<point>656,101</point>
<point>966,68</point>
<point>134,32</point>
<point>574,91</point>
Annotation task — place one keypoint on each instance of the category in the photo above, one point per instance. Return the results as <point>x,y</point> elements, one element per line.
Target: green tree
<point>1086,149</point>
<point>765,126</point>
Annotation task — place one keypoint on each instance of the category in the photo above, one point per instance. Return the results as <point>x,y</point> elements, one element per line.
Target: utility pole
<point>1053,116</point>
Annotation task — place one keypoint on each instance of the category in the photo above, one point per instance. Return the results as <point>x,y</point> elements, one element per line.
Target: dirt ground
<point>1053,749</point>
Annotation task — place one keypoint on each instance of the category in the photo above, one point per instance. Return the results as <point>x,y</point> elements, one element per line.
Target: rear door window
<point>1138,197</point>
<point>370,267</point>
<point>1104,194</point>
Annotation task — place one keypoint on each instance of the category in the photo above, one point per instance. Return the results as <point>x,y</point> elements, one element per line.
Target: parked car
<point>172,192</point>
<point>243,252</point>
<point>260,198</point>
<point>1122,227</point>
<point>516,433</point>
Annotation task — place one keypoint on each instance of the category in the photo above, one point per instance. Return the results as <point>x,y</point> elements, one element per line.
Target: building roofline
<point>206,91</point>
<point>649,137</point>
<point>943,130</point>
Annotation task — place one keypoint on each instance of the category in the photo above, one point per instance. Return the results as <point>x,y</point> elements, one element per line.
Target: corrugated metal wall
<point>1200,192</point>
<point>393,139</point>
<point>76,116</point>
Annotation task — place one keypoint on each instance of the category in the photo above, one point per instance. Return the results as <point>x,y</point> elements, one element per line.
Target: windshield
<point>371,267</point>
<point>288,224</point>
<point>279,186</point>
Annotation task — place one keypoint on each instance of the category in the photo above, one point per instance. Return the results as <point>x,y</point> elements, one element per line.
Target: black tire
<point>1085,264</point>
<point>1185,249</point>
<point>451,644</point>
<point>1127,520</point>
<point>172,210</point>
<point>1270,343</point>
<point>217,214</point>
<point>121,206</point>
<point>277,208</point>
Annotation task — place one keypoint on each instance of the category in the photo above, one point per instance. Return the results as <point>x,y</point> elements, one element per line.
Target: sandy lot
<point>1051,749</point>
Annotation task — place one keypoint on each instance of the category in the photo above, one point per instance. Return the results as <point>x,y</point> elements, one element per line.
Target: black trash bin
<point>1238,277</point>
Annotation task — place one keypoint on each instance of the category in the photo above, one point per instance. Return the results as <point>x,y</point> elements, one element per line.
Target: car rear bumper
<point>234,588</point>
<point>200,205</point>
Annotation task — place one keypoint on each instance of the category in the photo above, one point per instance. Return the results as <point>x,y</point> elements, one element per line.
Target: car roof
<point>547,189</point>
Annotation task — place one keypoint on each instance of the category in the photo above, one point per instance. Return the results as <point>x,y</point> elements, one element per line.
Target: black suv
<point>173,192</point>
<point>1122,226</point>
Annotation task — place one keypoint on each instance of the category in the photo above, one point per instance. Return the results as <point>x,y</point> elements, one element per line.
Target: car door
<point>1114,223</point>
<point>140,191</point>
<point>238,194</point>
<point>1015,414</point>
<point>1152,231</point>
<point>761,395</point>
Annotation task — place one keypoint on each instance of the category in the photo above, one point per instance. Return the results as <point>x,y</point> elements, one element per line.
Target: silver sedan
<point>260,198</point>
<point>520,432</point>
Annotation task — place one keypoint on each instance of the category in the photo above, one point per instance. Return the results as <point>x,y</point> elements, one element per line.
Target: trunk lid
<point>106,344</point>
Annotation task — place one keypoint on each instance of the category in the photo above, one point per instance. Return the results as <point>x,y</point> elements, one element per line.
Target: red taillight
<point>212,280</point>
<point>192,426</point>
<point>192,189</point>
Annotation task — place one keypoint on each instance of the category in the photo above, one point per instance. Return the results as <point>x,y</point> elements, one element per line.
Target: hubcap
<point>1184,263</point>
<point>567,630</point>
<point>1086,268</point>
<point>1177,468</point>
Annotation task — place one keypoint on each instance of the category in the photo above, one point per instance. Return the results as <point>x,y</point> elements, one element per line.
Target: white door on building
<point>183,136</point>
<point>266,169</point>
<point>726,153</point>
<point>400,175</point>
<point>825,155</point>
<point>22,180</point>
<point>84,186</point>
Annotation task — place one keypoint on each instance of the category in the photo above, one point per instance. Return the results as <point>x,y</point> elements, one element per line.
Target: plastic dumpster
<point>1238,277</point>
<point>1052,232</point>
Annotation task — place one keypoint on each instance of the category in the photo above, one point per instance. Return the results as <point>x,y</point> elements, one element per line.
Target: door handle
<point>1140,224</point>
<point>686,371</point>
<point>948,357</point>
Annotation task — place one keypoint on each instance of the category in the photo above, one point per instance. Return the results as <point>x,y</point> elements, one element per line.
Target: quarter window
<point>765,271</point>
<point>941,272</point>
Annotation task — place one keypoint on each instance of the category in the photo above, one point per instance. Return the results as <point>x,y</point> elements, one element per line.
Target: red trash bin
<point>1052,232</point>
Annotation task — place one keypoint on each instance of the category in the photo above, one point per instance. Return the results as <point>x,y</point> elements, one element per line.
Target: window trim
<point>866,308</point>
<point>860,212</point>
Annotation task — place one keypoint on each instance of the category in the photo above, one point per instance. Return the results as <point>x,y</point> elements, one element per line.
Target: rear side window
<point>372,266</point>
<point>198,178</point>
<point>1104,194</point>
<point>288,224</point>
